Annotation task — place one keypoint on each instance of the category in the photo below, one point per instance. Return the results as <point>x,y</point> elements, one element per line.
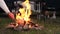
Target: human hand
<point>11,15</point>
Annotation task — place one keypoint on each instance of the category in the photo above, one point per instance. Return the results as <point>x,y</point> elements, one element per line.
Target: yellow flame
<point>25,12</point>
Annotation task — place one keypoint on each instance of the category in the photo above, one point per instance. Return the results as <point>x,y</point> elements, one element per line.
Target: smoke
<point>4,6</point>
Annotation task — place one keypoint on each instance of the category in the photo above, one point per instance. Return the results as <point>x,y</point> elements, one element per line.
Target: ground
<point>51,26</point>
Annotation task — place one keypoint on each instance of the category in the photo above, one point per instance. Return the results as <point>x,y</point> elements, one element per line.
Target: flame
<point>25,12</point>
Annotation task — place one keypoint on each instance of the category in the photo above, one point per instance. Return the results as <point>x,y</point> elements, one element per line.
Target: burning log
<point>11,25</point>
<point>25,26</point>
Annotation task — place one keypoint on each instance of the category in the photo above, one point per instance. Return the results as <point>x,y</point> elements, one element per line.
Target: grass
<point>50,27</point>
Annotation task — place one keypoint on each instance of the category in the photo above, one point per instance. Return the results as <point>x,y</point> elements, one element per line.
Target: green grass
<point>50,27</point>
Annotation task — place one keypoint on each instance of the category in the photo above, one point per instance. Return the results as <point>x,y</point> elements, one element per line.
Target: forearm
<point>4,6</point>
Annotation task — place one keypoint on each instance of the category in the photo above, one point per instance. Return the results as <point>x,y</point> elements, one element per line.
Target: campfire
<point>23,20</point>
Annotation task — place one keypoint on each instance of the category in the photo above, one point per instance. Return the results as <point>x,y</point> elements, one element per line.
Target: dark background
<point>49,3</point>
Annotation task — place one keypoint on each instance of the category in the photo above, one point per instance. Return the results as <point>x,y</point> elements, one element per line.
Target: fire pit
<point>25,26</point>
<point>23,21</point>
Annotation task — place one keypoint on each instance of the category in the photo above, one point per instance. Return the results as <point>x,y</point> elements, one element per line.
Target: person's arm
<point>5,8</point>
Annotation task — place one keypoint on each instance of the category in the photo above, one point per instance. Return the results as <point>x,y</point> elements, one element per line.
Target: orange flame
<point>25,12</point>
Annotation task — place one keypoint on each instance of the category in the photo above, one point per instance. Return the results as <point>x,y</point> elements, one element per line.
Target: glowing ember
<point>24,14</point>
